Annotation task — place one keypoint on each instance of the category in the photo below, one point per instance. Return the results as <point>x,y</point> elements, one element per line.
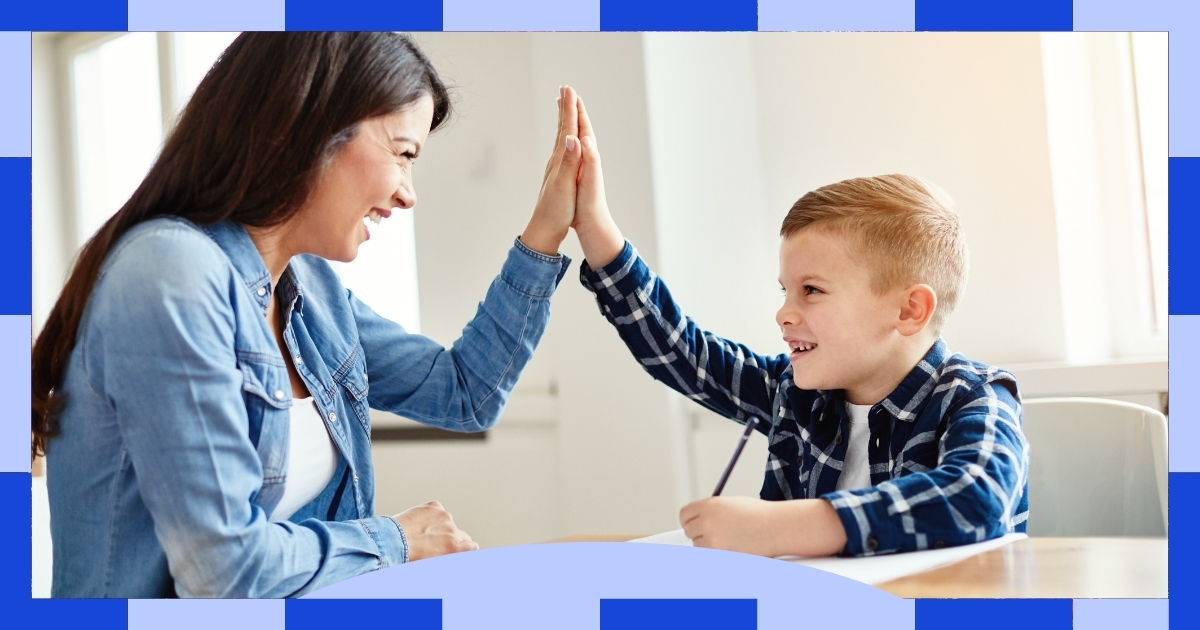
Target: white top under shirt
<point>856,467</point>
<point>312,459</point>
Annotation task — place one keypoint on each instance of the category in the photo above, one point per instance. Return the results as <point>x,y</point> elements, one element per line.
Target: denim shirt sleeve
<point>463,388</point>
<point>160,347</point>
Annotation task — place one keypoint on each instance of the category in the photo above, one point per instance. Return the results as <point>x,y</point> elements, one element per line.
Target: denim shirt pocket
<point>266,390</point>
<point>353,380</point>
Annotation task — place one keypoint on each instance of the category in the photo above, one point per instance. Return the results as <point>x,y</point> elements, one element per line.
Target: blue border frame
<point>23,16</point>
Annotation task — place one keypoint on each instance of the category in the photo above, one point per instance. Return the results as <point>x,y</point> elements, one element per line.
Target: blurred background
<point>1054,147</point>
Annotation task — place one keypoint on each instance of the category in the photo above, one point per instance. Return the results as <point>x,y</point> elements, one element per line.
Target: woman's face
<point>369,176</point>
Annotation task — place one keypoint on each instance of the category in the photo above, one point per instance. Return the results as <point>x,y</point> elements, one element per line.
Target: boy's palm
<point>598,234</point>
<point>590,204</point>
<point>732,523</point>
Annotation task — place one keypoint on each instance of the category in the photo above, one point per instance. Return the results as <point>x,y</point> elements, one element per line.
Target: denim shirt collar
<point>233,239</point>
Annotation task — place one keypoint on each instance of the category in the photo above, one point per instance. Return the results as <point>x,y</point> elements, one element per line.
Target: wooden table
<point>1067,568</point>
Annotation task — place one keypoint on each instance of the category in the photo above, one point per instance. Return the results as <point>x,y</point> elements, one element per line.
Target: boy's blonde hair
<point>905,228</point>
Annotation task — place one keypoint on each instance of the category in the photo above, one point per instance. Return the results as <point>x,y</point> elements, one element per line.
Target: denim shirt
<point>174,445</point>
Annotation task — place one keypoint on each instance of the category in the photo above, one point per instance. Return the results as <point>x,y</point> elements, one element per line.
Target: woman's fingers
<point>555,209</point>
<point>570,112</point>
<point>568,125</point>
<point>430,531</point>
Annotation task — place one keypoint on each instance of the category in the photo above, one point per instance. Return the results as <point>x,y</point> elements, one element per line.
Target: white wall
<point>964,111</point>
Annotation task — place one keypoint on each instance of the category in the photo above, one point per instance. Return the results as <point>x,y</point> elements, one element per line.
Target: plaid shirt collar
<point>906,401</point>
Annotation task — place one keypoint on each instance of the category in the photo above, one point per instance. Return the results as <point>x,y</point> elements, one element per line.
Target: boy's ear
<point>916,309</point>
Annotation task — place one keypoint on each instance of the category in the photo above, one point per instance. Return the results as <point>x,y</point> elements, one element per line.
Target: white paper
<point>871,569</point>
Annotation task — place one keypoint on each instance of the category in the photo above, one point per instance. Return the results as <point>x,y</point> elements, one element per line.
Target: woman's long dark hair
<point>268,116</point>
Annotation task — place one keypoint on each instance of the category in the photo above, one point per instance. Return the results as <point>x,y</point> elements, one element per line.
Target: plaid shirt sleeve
<point>725,377</point>
<point>975,492</point>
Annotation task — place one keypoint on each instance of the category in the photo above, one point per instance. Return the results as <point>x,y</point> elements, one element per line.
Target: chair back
<point>1097,468</point>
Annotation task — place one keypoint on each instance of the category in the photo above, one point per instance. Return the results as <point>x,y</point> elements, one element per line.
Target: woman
<point>200,389</point>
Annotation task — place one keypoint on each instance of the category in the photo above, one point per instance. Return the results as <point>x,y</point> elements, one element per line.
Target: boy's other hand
<point>805,527</point>
<point>598,234</point>
<point>555,209</point>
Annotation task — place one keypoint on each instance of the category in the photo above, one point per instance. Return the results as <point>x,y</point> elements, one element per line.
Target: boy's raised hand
<point>598,234</point>
<point>554,212</point>
<point>803,527</point>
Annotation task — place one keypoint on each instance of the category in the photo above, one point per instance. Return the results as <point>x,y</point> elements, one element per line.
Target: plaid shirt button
<point>872,544</point>
<point>938,544</point>
<point>839,438</point>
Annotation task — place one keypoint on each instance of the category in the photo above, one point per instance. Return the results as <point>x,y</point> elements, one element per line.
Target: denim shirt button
<point>333,418</point>
<point>355,478</point>
<point>279,394</point>
<point>262,291</point>
<point>299,360</point>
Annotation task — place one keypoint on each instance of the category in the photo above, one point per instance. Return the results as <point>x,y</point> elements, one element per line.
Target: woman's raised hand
<point>598,234</point>
<point>431,531</point>
<point>555,209</point>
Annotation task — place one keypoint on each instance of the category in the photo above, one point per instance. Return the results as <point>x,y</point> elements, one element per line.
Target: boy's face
<point>838,330</point>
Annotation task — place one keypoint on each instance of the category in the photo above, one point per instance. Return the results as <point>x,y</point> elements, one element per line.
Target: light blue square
<point>206,614</point>
<point>521,15</point>
<point>16,94</point>
<point>210,15</point>
<point>1182,19</point>
<point>1121,614</point>
<point>16,334</point>
<point>837,15</point>
<point>1183,341</point>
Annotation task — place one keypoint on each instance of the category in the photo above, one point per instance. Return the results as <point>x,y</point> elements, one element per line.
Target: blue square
<point>669,614</point>
<point>16,239</point>
<point>1184,219</point>
<point>65,15</point>
<point>324,614</point>
<point>363,15</point>
<point>1183,551</point>
<point>678,15</point>
<point>994,15</point>
<point>994,614</point>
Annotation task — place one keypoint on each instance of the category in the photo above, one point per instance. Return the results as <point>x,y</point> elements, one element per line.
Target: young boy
<point>880,439</point>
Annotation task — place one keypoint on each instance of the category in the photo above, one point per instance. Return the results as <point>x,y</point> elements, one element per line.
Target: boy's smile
<point>840,333</point>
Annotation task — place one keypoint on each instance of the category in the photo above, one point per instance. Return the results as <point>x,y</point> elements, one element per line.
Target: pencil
<point>737,452</point>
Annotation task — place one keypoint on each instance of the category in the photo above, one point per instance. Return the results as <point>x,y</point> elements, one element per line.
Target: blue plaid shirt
<point>949,463</point>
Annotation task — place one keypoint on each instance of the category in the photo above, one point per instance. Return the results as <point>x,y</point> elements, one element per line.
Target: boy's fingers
<point>689,513</point>
<point>560,101</point>
<point>590,151</point>
<point>585,123</point>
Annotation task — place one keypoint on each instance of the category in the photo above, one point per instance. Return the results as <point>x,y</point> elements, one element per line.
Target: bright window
<point>1150,85</point>
<point>118,124</point>
<point>122,85</point>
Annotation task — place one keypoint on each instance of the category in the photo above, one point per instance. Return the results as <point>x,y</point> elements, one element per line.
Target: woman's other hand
<point>555,209</point>
<point>598,234</point>
<point>431,531</point>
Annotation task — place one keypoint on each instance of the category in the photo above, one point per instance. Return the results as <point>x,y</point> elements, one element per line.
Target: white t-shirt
<point>312,459</point>
<point>856,467</point>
